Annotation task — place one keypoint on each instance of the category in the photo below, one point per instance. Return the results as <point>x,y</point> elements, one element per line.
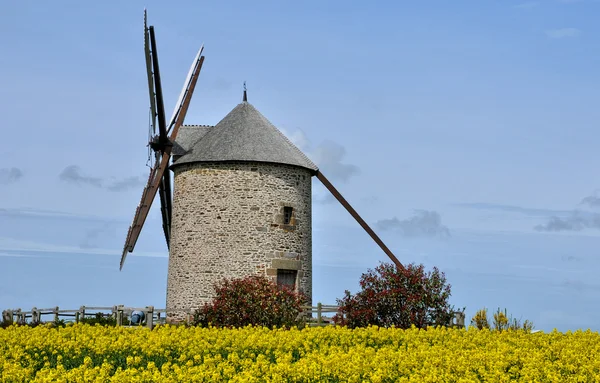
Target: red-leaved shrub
<point>400,297</point>
<point>253,300</point>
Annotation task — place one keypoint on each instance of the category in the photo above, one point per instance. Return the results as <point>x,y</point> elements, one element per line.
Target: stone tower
<point>241,206</point>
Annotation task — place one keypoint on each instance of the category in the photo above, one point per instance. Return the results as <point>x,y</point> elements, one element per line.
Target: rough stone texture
<point>228,223</point>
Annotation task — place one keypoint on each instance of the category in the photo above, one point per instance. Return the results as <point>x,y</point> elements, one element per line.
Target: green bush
<point>101,319</point>
<point>253,300</point>
<point>397,297</point>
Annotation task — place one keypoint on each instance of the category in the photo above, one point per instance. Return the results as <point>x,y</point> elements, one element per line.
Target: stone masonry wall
<point>228,222</point>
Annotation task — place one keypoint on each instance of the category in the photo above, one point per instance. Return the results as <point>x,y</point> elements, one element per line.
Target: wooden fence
<point>319,310</point>
<point>118,312</point>
<point>458,319</point>
<point>154,316</point>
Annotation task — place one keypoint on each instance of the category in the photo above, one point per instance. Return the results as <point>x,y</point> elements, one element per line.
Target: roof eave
<point>177,164</point>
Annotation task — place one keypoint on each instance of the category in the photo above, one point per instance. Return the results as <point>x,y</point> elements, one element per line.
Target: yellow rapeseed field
<point>84,353</point>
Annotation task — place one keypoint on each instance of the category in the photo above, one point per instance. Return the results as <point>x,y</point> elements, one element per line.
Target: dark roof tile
<point>187,136</point>
<point>243,135</point>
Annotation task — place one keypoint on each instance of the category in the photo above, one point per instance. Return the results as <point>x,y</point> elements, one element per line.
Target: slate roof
<point>243,135</point>
<point>187,136</point>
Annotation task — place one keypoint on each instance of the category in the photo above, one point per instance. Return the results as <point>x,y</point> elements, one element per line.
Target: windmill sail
<point>143,208</point>
<point>164,193</point>
<point>149,74</point>
<point>160,108</point>
<point>160,178</point>
<point>186,85</point>
<point>358,218</point>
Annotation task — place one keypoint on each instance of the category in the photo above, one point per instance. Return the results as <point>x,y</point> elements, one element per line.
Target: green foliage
<point>100,319</point>
<point>253,300</point>
<point>397,297</point>
<point>58,323</point>
<point>55,324</point>
<point>501,321</point>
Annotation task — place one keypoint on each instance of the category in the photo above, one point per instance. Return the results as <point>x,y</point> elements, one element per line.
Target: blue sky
<point>464,132</point>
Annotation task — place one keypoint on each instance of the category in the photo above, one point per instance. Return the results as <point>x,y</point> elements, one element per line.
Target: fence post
<point>82,313</point>
<point>319,308</point>
<point>35,315</point>
<point>7,317</point>
<point>56,314</point>
<point>458,319</point>
<point>22,317</point>
<point>119,315</point>
<point>149,316</point>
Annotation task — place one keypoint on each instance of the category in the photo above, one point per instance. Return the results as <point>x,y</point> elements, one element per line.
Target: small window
<point>287,278</point>
<point>287,215</point>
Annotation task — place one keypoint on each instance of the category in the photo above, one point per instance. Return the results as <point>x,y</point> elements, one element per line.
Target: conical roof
<point>244,135</point>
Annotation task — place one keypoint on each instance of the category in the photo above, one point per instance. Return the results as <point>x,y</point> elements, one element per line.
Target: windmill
<point>242,197</point>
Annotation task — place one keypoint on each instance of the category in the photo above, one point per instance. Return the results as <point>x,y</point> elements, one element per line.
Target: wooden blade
<point>357,217</point>
<point>164,192</point>
<point>185,87</point>
<point>186,95</point>
<point>149,73</point>
<point>156,177</point>
<point>160,107</point>
<point>168,199</point>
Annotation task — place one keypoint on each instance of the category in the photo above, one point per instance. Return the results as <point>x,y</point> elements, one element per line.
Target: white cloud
<point>592,200</point>
<point>10,175</point>
<point>128,183</point>
<point>577,221</point>
<point>10,245</point>
<point>422,224</point>
<point>563,33</point>
<point>74,175</point>
<point>328,156</point>
<point>17,255</point>
<point>298,138</point>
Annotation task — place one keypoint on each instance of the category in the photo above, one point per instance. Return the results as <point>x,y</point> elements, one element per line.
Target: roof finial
<point>245,94</point>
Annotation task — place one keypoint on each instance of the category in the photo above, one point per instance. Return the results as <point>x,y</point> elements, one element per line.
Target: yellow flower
<point>171,354</point>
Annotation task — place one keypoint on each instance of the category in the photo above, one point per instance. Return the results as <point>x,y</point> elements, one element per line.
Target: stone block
<point>286,264</point>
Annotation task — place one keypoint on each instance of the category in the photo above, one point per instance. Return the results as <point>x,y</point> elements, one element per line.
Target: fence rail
<point>117,312</point>
<point>154,316</point>
<point>458,318</point>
